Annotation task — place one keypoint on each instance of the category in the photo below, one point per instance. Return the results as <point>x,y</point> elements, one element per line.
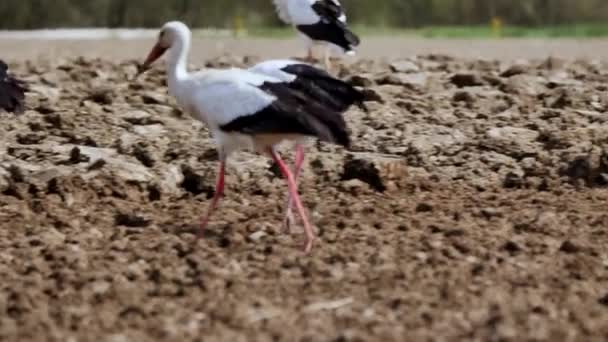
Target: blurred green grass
<point>461,32</point>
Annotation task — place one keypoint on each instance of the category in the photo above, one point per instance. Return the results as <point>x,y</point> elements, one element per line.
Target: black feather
<point>334,32</point>
<point>330,28</point>
<point>326,89</point>
<point>12,91</point>
<point>328,10</point>
<point>292,113</point>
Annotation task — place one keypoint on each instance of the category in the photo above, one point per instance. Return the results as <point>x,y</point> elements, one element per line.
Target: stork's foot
<point>289,222</point>
<point>308,244</point>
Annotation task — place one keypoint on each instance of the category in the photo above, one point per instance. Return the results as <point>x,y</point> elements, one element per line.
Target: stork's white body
<point>273,68</point>
<point>217,97</point>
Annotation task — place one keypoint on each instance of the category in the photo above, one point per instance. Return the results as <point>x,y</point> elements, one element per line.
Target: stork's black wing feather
<point>328,10</point>
<point>293,112</point>
<point>330,28</point>
<point>320,85</point>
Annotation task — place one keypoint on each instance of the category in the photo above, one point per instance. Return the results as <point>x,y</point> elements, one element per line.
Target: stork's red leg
<point>288,220</point>
<point>293,192</point>
<point>219,192</point>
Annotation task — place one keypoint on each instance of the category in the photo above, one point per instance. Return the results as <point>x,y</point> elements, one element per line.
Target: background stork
<point>319,22</point>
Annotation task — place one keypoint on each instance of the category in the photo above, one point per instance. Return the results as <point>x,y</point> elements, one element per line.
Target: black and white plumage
<point>246,110</point>
<point>319,86</point>
<point>291,113</point>
<point>319,22</point>
<point>316,83</point>
<point>12,91</point>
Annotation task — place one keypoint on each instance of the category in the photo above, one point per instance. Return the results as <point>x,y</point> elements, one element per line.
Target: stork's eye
<point>161,34</point>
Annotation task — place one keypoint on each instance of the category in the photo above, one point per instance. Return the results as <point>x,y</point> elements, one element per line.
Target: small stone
<point>137,117</point>
<point>380,172</point>
<point>152,97</point>
<point>257,236</point>
<point>467,80</point>
<point>193,182</point>
<point>104,96</point>
<point>424,208</point>
<point>131,220</point>
<point>569,247</point>
<point>580,167</point>
<point>365,171</point>
<point>414,80</point>
<point>463,96</point>
<point>76,157</point>
<point>100,287</point>
<point>171,179</point>
<point>150,131</point>
<point>143,155</point>
<point>31,138</point>
<point>490,213</point>
<point>512,181</point>
<point>355,186</point>
<point>97,165</point>
<point>46,93</point>
<point>604,300</point>
<point>524,85</point>
<point>511,247</point>
<point>516,69</point>
<point>513,141</point>
<point>404,66</point>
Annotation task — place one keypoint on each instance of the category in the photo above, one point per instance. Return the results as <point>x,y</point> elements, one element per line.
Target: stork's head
<point>172,33</point>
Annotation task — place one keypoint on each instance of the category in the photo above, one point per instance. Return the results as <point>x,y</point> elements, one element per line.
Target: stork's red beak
<point>156,52</point>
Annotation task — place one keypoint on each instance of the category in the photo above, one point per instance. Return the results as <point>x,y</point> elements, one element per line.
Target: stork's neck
<point>177,61</point>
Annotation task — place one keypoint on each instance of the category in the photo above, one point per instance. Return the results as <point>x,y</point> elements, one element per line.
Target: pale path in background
<point>373,47</point>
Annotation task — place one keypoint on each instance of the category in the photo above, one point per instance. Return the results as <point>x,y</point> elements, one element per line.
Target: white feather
<point>297,12</point>
<point>218,97</point>
<point>283,10</point>
<point>273,68</point>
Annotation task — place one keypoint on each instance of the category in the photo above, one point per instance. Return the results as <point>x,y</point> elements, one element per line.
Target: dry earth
<point>378,48</point>
<point>471,207</point>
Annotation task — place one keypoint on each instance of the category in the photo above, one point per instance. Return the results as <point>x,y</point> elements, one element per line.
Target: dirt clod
<point>131,220</point>
<point>570,247</point>
<point>470,206</point>
<point>365,171</point>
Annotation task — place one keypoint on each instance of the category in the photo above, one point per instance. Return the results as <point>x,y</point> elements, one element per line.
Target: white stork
<point>12,91</point>
<point>319,85</point>
<point>245,110</point>
<point>319,22</point>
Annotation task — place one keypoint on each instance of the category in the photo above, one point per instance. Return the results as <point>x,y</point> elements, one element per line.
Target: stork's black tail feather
<point>332,28</point>
<point>331,92</point>
<point>351,37</point>
<point>293,112</point>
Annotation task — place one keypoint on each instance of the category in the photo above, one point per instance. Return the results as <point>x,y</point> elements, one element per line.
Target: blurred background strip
<point>461,18</point>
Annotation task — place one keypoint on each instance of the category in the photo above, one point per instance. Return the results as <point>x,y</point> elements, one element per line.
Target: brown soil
<point>472,207</point>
